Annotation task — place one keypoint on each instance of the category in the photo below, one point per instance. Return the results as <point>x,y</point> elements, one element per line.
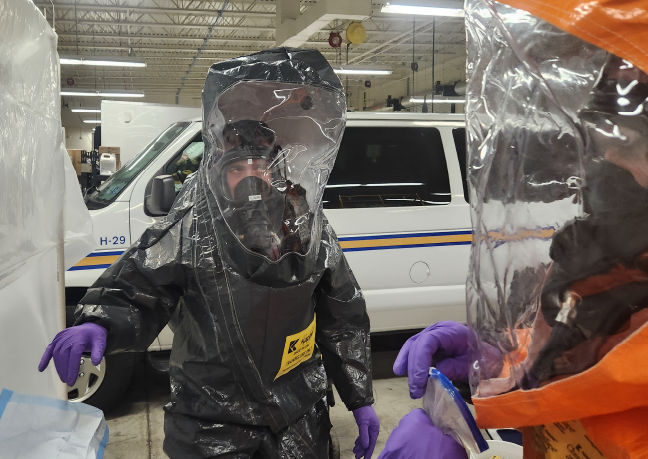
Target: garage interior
<point>178,40</point>
<point>150,256</point>
<point>418,64</point>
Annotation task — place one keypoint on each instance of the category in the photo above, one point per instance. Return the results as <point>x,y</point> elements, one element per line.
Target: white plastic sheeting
<point>41,200</point>
<point>34,427</point>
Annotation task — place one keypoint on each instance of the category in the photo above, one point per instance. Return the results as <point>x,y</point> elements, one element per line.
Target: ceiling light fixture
<point>86,110</point>
<point>92,121</point>
<point>101,93</point>
<point>102,61</point>
<point>440,8</point>
<point>438,100</point>
<point>358,71</point>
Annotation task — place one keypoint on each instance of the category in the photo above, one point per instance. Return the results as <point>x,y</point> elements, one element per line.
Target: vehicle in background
<point>397,199</point>
<point>131,125</point>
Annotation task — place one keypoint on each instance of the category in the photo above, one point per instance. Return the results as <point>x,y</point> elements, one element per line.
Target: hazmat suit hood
<point>273,122</point>
<point>559,284</point>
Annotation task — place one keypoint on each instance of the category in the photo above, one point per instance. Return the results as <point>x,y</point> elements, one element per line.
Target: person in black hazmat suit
<point>249,275</point>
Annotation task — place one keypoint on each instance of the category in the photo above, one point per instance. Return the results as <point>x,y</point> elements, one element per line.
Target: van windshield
<point>115,184</point>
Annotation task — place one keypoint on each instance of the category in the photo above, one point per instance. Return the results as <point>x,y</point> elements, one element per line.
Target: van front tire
<point>103,385</point>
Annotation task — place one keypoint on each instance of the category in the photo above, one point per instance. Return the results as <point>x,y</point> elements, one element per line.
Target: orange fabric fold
<point>620,435</point>
<point>610,398</point>
<point>618,382</point>
<point>620,27</point>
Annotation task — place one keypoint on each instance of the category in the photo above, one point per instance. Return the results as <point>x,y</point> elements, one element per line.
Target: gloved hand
<point>443,345</point>
<point>416,437</point>
<point>68,345</point>
<point>368,429</point>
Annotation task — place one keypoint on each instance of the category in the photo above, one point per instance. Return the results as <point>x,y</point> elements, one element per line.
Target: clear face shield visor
<point>273,146</point>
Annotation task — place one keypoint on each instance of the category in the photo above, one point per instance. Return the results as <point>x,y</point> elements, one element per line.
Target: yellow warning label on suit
<point>564,440</point>
<point>298,348</point>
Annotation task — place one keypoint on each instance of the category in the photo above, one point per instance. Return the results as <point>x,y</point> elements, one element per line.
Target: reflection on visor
<point>620,133</point>
<point>622,97</point>
<point>248,133</point>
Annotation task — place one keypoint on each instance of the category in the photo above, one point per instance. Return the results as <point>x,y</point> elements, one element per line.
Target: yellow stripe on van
<point>406,241</point>
<point>393,242</point>
<point>540,233</point>
<point>104,260</point>
<point>97,260</point>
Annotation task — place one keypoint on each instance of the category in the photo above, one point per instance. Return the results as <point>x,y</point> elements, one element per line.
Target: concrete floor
<point>136,425</point>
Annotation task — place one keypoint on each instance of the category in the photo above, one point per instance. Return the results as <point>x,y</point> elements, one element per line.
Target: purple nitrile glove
<point>444,345</point>
<point>368,429</point>
<point>416,437</point>
<point>68,345</point>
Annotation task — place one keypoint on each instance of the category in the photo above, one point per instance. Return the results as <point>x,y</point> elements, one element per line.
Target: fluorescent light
<point>86,110</point>
<point>394,184</point>
<point>102,61</point>
<point>362,72</point>
<point>343,185</point>
<point>442,9</point>
<point>440,100</point>
<point>349,185</point>
<point>92,121</point>
<point>70,61</point>
<point>121,94</point>
<point>101,93</point>
<point>114,63</point>
<point>66,92</point>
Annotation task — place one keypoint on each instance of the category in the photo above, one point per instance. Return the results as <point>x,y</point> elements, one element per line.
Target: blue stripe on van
<point>97,260</point>
<point>408,246</point>
<point>101,254</point>
<point>81,268</point>
<point>405,241</point>
<point>399,236</point>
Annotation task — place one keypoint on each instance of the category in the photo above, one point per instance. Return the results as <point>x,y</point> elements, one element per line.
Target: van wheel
<point>103,385</point>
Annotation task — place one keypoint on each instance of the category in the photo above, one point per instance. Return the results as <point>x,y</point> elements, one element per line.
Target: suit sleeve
<point>343,329</point>
<point>135,297</point>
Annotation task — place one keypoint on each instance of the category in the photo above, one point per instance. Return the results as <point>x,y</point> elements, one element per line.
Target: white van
<point>396,198</point>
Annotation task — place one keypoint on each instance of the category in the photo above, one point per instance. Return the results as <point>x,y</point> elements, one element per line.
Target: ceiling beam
<point>98,7</point>
<point>148,52</point>
<point>151,36</point>
<point>93,22</point>
<point>70,36</point>
<point>157,25</point>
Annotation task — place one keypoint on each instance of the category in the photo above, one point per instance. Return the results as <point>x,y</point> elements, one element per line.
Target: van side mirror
<point>162,195</point>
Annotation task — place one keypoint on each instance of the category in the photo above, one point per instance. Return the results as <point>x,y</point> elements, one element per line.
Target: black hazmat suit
<point>237,315</point>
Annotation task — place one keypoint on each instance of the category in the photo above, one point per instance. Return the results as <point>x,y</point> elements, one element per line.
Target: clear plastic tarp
<point>42,205</point>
